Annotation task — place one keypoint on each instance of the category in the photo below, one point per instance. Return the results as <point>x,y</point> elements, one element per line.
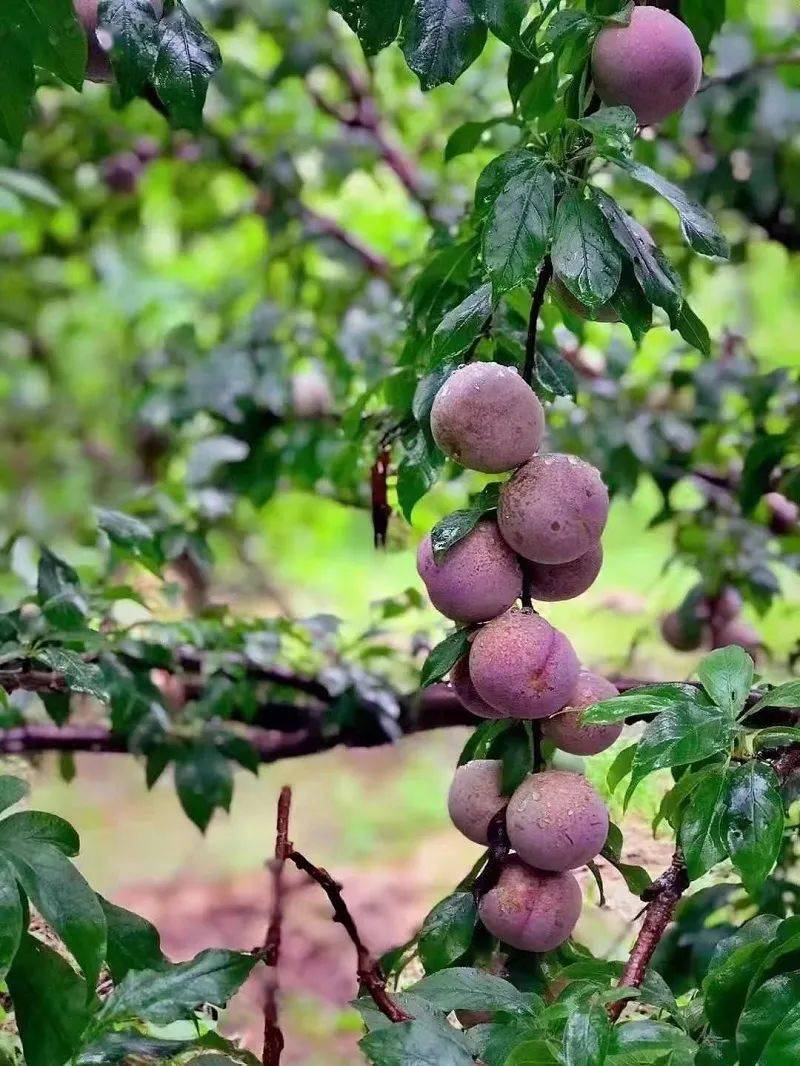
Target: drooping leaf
<point>753,822</point>
<point>441,38</point>
<point>51,33</point>
<point>693,330</point>
<point>186,61</point>
<point>464,988</point>
<point>17,84</point>
<point>700,835</point>
<point>504,19</point>
<point>418,470</point>
<point>518,229</point>
<point>585,255</point>
<point>461,326</point>
<point>375,22</point>
<point>764,454</point>
<point>553,373</point>
<point>444,657</point>
<point>447,931</point>
<point>133,25</point>
<point>133,943</point>
<point>204,783</point>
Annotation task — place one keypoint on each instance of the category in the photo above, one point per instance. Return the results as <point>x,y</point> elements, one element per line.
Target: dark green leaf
<point>783,1045</point>
<point>764,1012</point>
<point>17,84</point>
<point>704,18</point>
<point>504,18</point>
<point>651,699</point>
<point>133,25</point>
<point>50,1004</point>
<point>553,373</point>
<point>447,931</point>
<point>463,325</point>
<point>12,919</point>
<point>587,1036</point>
<point>585,255</point>
<point>753,822</point>
<point>424,1040</point>
<point>167,995</point>
<point>484,739</point>
<point>418,470</point>
<point>776,737</point>
<point>187,59</point>
<point>376,22</point>
<point>699,228</point>
<point>464,988</point>
<point>518,229</point>
<point>716,1052</point>
<point>54,577</point>
<point>134,538</point>
<point>12,790</point>
<point>786,695</point>
<point>514,752</point>
<point>567,25</point>
<point>441,38</point>
<point>765,453</point>
<point>620,767</point>
<point>497,174</point>
<point>204,782</point>
<point>80,676</point>
<point>126,1047</point>
<point>37,827</point>
<point>651,1042</point>
<point>700,834</point>
<point>692,329</point>
<point>444,657</point>
<point>684,733</point>
<point>533,1053</point>
<point>611,127</point>
<point>52,34</point>
<point>133,943</point>
<point>451,529</point>
<point>727,676</point>
<point>732,966</point>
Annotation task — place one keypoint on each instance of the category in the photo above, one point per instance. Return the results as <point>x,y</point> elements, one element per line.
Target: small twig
<point>367,968</point>
<point>545,276</point>
<point>499,848</point>
<point>273,1037</point>
<point>381,511</point>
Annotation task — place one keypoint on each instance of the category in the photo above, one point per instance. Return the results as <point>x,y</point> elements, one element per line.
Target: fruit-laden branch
<point>664,894</point>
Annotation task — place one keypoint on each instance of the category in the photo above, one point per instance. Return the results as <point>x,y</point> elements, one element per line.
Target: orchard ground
<point>383,827</point>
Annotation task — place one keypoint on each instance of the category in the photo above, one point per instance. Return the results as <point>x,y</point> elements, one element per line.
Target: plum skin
<point>478,578</point>
<point>529,909</point>
<point>564,581</point>
<point>467,693</point>
<point>485,417</point>
<point>565,728</point>
<point>741,633</point>
<point>556,821</point>
<point>677,636</point>
<point>99,66</point>
<point>475,798</point>
<point>553,509</point>
<point>522,666</point>
<point>653,65</point>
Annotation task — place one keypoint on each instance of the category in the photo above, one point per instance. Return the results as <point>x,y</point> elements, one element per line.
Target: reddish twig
<point>367,968</point>
<point>381,511</point>
<point>273,1037</point>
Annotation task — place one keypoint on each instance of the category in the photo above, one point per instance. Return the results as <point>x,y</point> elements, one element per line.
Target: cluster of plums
<point>711,622</point>
<point>550,517</point>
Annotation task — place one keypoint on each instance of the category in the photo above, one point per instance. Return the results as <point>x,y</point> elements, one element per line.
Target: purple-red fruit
<point>99,65</point>
<point>652,65</point>
<point>554,509</point>
<point>478,578</point>
<point>565,728</point>
<point>467,693</point>
<point>678,635</point>
<point>475,798</point>
<point>487,418</point>
<point>565,581</point>
<point>737,631</point>
<point>556,821</point>
<point>522,666</point>
<point>727,605</point>
<point>529,909</point>
<point>784,514</point>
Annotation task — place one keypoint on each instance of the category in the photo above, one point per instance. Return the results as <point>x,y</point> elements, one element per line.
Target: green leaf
<point>497,174</point>
<point>620,767</point>
<point>51,33</point>
<point>464,988</point>
<point>632,305</point>
<point>553,373</point>
<point>29,187</point>
<point>518,229</point>
<point>50,1004</point>
<point>441,38</point>
<point>12,790</point>
<point>133,25</point>
<point>451,529</point>
<point>123,1048</point>
<point>727,676</point>
<point>504,19</point>
<point>650,1042</point>
<point>54,577</point>
<point>187,59</point>
<point>461,326</point>
<point>12,919</point>
<point>611,127</point>
<point>136,539</point>
<point>753,822</point>
<point>692,329</point>
<point>38,827</point>
<point>716,1052</point>
<point>444,657</point>
<point>585,255</point>
<point>698,227</point>
<point>17,84</point>
<point>776,737</point>
<point>168,995</point>
<point>79,675</point>
<point>204,782</point>
<point>133,943</point>
<point>700,834</point>
<point>62,896</point>
<point>483,740</point>
<point>704,18</point>
<point>375,22</point>
<point>514,751</point>
<point>765,453</point>
<point>786,695</point>
<point>684,733</point>
<point>783,1045</point>
<point>533,1053</point>
<point>418,470</point>
<point>660,283</point>
<point>733,964</point>
<point>651,699</point>
<point>447,931</point>
<point>424,1040</point>
<point>587,1036</point>
<point>765,1010</point>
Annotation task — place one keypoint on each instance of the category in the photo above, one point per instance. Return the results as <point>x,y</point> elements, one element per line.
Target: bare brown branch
<point>273,1036</point>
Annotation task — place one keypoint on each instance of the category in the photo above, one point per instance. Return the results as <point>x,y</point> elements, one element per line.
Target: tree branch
<point>545,277</point>
<point>273,1037</point>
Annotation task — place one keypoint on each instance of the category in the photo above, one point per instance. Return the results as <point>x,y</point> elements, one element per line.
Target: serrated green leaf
<point>651,699</point>
<point>464,988</point>
<point>133,25</point>
<point>204,783</point>
<point>553,373</point>
<point>413,1043</point>
<point>518,229</point>
<point>186,61</point>
<point>587,1036</point>
<point>727,677</point>
<point>440,39</point>
<point>375,22</point>
<point>585,255</point>
<point>79,675</point>
<point>693,330</point>
<point>753,821</point>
